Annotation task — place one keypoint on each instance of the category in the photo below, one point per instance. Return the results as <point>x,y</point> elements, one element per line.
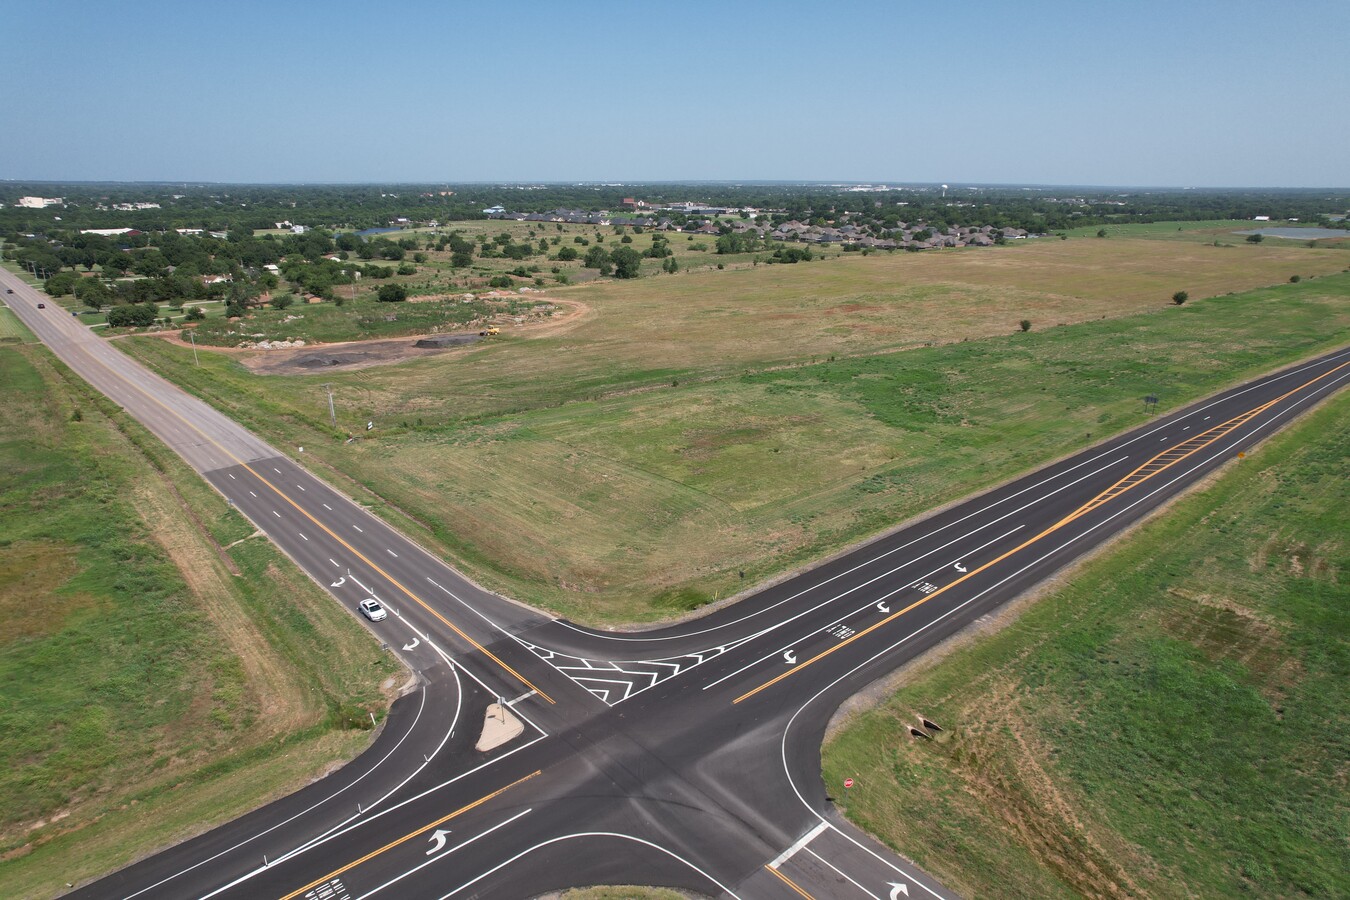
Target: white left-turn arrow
<point>897,889</point>
<point>340,582</point>
<point>789,657</point>
<point>413,645</point>
<point>958,567</point>
<point>438,843</point>
<point>883,607</point>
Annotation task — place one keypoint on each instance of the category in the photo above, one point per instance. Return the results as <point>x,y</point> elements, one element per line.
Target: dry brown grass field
<point>688,428</point>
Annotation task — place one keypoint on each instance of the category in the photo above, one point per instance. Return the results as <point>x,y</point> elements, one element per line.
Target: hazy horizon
<point>1206,95</point>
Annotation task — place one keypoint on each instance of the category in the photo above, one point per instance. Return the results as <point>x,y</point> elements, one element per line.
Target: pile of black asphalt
<point>438,341</point>
<point>375,352</point>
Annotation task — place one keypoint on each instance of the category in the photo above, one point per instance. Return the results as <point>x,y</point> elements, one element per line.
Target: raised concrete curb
<point>499,726</point>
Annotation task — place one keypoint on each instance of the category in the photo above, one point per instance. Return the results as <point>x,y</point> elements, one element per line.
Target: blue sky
<point>1130,93</point>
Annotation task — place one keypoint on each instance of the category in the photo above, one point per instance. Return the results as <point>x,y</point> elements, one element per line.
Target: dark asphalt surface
<point>686,756</point>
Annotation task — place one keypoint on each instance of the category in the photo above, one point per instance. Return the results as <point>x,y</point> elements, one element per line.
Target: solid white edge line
<point>783,742</point>
<point>305,811</point>
<point>443,854</point>
<point>1223,397</point>
<point>585,834</point>
<point>870,604</point>
<point>841,872</point>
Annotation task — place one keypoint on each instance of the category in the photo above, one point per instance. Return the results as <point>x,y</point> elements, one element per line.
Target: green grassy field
<point>11,329</point>
<point>152,684</point>
<point>1172,723</point>
<point>601,508</point>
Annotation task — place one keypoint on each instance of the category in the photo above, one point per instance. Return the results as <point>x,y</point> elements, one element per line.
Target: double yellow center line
<point>1155,466</point>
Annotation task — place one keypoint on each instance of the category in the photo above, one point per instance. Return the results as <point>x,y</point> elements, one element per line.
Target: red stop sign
<point>848,782</point>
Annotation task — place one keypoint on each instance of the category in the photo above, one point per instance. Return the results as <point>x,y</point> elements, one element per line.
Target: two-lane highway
<point>687,755</point>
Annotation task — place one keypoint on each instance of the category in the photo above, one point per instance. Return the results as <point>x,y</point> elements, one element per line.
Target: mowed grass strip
<point>1172,723</point>
<point>147,692</point>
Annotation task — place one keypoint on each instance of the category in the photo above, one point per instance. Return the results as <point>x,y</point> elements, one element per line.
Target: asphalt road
<point>686,756</point>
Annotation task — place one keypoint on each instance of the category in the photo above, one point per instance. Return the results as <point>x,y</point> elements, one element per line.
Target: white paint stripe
<point>444,853</point>
<point>801,842</point>
<point>411,728</point>
<point>359,528</point>
<point>870,604</point>
<point>585,834</point>
<point>232,478</point>
<point>277,514</point>
<point>301,487</point>
<point>327,507</point>
<point>333,561</point>
<point>841,872</point>
<point>1221,398</point>
<point>302,534</point>
<point>783,742</point>
<point>391,553</point>
<point>253,494</point>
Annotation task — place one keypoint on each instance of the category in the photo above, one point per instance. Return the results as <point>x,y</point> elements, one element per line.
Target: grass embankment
<point>1173,723</point>
<point>145,690</point>
<point>603,510</point>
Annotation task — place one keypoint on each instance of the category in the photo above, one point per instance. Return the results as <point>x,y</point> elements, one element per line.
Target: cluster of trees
<point>242,209</point>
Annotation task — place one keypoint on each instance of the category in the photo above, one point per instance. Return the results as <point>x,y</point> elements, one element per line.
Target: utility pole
<point>332,412</point>
<point>192,335</point>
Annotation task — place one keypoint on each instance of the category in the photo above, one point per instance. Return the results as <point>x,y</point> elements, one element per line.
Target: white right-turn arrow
<point>958,567</point>
<point>789,657</point>
<point>897,889</point>
<point>438,844</point>
<point>883,607</point>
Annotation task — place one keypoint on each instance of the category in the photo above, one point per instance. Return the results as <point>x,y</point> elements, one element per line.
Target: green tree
<point>133,315</point>
<point>567,254</point>
<point>392,293</point>
<point>1026,324</point>
<point>1101,232</point>
<point>61,285</point>
<point>596,258</point>
<point>1255,238</point>
<point>283,301</point>
<point>1180,297</point>
<point>195,314</point>
<point>627,262</point>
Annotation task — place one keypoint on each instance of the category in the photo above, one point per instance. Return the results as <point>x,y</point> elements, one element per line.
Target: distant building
<point>494,210</point>
<point>1261,219</point>
<point>40,202</point>
<point>299,229</point>
<point>108,232</point>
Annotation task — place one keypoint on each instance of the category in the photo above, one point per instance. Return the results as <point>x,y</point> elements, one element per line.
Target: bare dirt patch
<point>351,355</point>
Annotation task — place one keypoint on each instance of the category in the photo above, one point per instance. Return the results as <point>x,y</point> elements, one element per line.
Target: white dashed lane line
<point>277,514</point>
<point>391,553</point>
<point>327,507</point>
<point>359,528</point>
<point>302,534</point>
